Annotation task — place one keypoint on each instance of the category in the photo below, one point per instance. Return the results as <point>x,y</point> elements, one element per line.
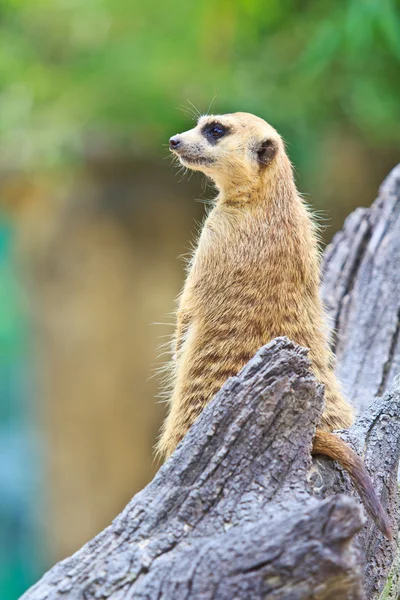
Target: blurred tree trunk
<point>99,268</point>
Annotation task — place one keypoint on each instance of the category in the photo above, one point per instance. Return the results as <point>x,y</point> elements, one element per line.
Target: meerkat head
<point>231,149</point>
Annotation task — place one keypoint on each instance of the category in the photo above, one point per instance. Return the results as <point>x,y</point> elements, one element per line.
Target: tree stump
<point>240,511</point>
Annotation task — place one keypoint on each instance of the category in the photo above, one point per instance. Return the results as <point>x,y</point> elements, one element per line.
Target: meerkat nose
<point>175,142</point>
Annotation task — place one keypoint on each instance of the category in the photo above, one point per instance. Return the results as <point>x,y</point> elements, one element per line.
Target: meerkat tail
<point>331,445</point>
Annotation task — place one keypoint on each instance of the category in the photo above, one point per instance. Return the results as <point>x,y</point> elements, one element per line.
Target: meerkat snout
<point>174,142</point>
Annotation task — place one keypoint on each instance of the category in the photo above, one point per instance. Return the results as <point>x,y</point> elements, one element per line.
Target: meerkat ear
<point>266,152</point>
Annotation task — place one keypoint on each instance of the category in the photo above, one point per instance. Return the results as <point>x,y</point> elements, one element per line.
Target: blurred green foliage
<point>12,321</point>
<point>117,70</point>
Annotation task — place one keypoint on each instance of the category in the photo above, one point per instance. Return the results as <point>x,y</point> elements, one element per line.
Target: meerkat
<point>253,276</point>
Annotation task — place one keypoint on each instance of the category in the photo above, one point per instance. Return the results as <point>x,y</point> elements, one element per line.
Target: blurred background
<point>93,217</point>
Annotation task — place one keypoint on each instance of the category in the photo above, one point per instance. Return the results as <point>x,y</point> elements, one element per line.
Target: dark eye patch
<point>214,131</point>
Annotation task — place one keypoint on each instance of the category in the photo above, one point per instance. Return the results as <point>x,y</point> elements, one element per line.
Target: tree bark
<point>239,511</point>
<point>361,291</point>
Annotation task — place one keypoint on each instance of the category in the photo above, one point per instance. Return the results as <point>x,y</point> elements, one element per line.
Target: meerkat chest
<point>231,256</point>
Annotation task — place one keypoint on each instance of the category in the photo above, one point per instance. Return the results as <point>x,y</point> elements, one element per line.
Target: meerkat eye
<point>217,131</point>
<point>214,131</point>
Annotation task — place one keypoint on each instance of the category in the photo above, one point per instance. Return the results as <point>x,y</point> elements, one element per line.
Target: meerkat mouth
<point>195,160</point>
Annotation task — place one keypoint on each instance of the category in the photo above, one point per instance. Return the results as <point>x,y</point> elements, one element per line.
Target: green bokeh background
<point>70,70</point>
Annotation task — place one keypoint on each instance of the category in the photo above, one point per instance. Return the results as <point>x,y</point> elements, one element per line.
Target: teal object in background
<point>19,550</point>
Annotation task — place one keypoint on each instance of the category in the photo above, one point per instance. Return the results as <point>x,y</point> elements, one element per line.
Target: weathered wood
<point>230,515</point>
<point>361,290</point>
<point>376,436</point>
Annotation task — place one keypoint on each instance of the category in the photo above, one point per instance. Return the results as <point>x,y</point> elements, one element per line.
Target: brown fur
<point>253,276</point>
<point>333,446</point>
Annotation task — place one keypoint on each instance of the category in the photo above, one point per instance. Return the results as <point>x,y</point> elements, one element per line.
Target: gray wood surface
<point>239,512</point>
<point>361,291</point>
<point>230,514</point>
